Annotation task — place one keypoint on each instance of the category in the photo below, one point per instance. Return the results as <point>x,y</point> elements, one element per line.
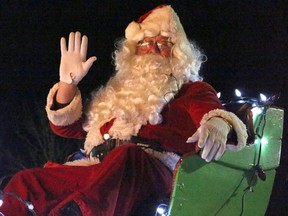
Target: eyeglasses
<point>161,45</point>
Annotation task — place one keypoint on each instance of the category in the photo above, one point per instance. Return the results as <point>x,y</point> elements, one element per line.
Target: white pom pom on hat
<point>161,20</point>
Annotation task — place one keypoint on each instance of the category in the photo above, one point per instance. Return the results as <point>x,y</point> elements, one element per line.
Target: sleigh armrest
<point>219,187</point>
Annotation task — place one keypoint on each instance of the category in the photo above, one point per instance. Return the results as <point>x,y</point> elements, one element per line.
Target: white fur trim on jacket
<point>238,126</point>
<point>169,159</point>
<point>66,115</point>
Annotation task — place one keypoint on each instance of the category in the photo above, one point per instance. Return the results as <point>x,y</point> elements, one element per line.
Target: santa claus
<point>152,111</point>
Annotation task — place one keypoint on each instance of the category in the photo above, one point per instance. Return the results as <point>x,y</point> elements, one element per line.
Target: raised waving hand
<point>73,65</point>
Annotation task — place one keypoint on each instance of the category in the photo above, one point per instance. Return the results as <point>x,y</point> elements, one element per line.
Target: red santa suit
<point>127,175</point>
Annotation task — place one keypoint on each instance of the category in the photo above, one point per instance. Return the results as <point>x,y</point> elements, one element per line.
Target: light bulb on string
<point>263,98</point>
<point>162,210</point>
<point>219,94</point>
<point>29,205</point>
<point>264,141</point>
<point>238,93</point>
<point>1,198</point>
<point>256,111</point>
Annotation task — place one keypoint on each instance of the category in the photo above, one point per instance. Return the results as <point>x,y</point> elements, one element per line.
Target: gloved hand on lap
<point>212,137</point>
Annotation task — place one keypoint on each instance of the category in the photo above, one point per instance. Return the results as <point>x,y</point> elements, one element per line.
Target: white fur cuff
<point>66,115</point>
<point>83,162</point>
<point>238,126</point>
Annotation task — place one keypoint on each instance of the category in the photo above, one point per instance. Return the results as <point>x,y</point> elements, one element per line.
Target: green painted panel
<point>214,189</point>
<point>270,152</point>
<point>217,188</point>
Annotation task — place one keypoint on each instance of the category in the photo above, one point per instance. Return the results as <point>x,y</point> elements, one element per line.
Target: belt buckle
<point>117,142</point>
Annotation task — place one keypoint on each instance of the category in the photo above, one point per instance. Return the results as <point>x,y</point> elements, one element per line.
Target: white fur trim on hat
<point>163,21</point>
<point>238,126</point>
<point>66,115</point>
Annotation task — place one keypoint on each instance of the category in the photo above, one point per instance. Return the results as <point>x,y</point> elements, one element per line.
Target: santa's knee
<point>23,176</point>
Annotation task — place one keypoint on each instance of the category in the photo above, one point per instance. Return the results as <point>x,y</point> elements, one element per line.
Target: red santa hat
<point>160,21</point>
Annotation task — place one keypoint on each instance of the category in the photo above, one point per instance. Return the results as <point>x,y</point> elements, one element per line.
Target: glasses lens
<point>164,45</point>
<point>161,45</point>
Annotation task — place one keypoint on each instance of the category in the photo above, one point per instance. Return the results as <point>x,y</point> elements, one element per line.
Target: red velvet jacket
<point>181,118</point>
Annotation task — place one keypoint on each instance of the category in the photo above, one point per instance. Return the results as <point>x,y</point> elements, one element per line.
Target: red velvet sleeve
<point>74,130</point>
<point>200,99</point>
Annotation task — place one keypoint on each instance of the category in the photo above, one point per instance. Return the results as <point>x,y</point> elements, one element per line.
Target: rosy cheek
<point>140,52</point>
<point>166,53</point>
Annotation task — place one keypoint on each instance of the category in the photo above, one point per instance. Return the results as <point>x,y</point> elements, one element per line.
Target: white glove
<point>212,137</point>
<point>73,65</point>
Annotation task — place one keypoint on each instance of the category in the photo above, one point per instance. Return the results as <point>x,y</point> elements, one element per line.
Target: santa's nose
<point>154,50</point>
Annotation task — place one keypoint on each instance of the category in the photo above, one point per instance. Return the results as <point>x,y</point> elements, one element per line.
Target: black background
<point>246,43</point>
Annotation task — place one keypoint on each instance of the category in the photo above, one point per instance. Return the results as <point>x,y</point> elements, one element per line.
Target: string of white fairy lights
<point>27,204</point>
<point>260,108</point>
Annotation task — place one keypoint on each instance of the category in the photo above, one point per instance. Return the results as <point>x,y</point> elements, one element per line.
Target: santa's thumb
<point>193,138</point>
<point>89,63</point>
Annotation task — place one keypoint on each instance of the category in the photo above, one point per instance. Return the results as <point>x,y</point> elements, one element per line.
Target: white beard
<point>135,96</point>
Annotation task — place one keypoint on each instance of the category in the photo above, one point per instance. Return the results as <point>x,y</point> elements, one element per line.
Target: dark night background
<point>246,43</point>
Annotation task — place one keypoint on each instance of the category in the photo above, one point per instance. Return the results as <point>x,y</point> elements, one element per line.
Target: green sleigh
<point>240,183</point>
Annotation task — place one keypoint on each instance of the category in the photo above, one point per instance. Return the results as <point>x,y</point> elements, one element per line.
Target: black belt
<point>103,149</point>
